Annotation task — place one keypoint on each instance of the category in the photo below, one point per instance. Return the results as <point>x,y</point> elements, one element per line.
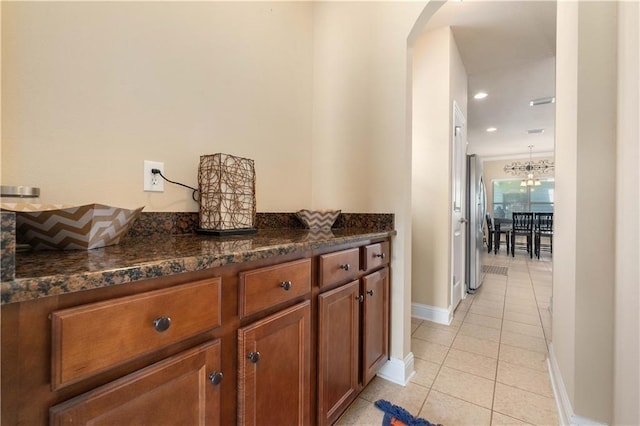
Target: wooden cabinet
<point>274,362</point>
<point>181,390</point>
<point>296,336</point>
<point>353,330</point>
<point>338,350</point>
<point>375,323</point>
<point>94,338</point>
<point>274,353</point>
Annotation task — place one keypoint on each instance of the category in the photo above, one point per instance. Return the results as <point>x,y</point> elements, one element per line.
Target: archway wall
<point>439,79</point>
<point>361,152</point>
<point>595,339</point>
<point>626,390</point>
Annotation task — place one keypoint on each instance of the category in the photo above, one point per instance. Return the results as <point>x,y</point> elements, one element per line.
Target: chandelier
<point>530,180</point>
<point>530,171</point>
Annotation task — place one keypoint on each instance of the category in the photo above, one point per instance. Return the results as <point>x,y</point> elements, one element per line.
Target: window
<point>509,197</point>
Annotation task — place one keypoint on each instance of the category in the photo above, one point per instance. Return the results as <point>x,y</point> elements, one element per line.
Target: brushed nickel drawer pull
<point>286,285</point>
<point>370,292</point>
<point>162,324</point>
<point>345,266</point>
<point>380,255</point>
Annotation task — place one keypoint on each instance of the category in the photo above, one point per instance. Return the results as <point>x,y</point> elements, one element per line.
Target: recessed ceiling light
<point>491,129</point>
<point>480,95</point>
<point>542,101</point>
<point>535,131</point>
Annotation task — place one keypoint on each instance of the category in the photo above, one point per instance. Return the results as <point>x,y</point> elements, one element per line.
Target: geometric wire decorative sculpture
<point>529,170</point>
<point>227,186</point>
<point>541,167</point>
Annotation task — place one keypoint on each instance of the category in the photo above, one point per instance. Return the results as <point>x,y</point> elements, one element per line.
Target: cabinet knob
<point>216,377</point>
<point>345,266</point>
<point>254,357</point>
<point>380,255</point>
<point>360,298</point>
<point>162,324</point>
<point>370,292</point>
<point>286,285</point>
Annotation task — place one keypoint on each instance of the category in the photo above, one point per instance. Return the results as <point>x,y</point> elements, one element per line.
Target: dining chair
<point>522,226</point>
<point>490,232</point>
<point>501,227</point>
<point>543,228</point>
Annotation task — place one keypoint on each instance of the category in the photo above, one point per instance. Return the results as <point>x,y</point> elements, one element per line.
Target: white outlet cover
<point>153,183</point>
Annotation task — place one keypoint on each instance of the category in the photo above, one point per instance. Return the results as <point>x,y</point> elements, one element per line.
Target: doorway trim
<point>458,207</point>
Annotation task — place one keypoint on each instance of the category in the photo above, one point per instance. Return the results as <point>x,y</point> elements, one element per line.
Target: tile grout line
<point>465,316</point>
<point>493,410</point>
<point>441,364</point>
<point>495,381</point>
<point>443,360</point>
<point>541,326</point>
<point>431,385</point>
<point>538,310</point>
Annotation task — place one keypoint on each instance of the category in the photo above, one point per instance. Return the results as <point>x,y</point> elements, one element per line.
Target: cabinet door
<point>375,327</point>
<point>338,338</point>
<point>175,391</point>
<point>274,367</point>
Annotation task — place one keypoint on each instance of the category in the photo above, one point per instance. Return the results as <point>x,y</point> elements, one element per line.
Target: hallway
<point>489,366</point>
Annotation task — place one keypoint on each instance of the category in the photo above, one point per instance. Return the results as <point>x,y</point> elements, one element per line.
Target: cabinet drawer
<point>266,287</point>
<point>92,338</point>
<point>375,255</point>
<point>338,266</point>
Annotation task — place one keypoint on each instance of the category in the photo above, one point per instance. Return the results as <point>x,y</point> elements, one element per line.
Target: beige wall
<point>361,148</point>
<point>458,86</point>
<point>315,92</point>
<point>584,261</point>
<point>564,290</point>
<point>91,89</point>
<point>439,78</point>
<point>626,392</point>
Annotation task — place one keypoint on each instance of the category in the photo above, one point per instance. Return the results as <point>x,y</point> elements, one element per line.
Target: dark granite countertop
<point>47,273</point>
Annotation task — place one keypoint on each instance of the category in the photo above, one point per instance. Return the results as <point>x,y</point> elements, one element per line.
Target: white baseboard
<point>565,409</point>
<point>432,313</point>
<point>398,371</point>
<point>563,403</point>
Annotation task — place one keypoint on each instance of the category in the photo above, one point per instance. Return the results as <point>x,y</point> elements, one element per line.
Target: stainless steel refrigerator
<point>476,209</point>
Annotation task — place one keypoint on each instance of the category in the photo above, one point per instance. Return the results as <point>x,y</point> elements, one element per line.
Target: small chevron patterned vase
<point>318,219</point>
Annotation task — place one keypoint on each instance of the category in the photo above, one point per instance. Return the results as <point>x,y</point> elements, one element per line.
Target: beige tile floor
<point>489,366</point>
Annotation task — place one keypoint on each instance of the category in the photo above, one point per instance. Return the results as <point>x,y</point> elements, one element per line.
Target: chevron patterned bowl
<point>318,219</point>
<point>61,227</point>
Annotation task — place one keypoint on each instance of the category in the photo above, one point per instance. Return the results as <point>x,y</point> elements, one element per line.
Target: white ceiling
<point>508,49</point>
